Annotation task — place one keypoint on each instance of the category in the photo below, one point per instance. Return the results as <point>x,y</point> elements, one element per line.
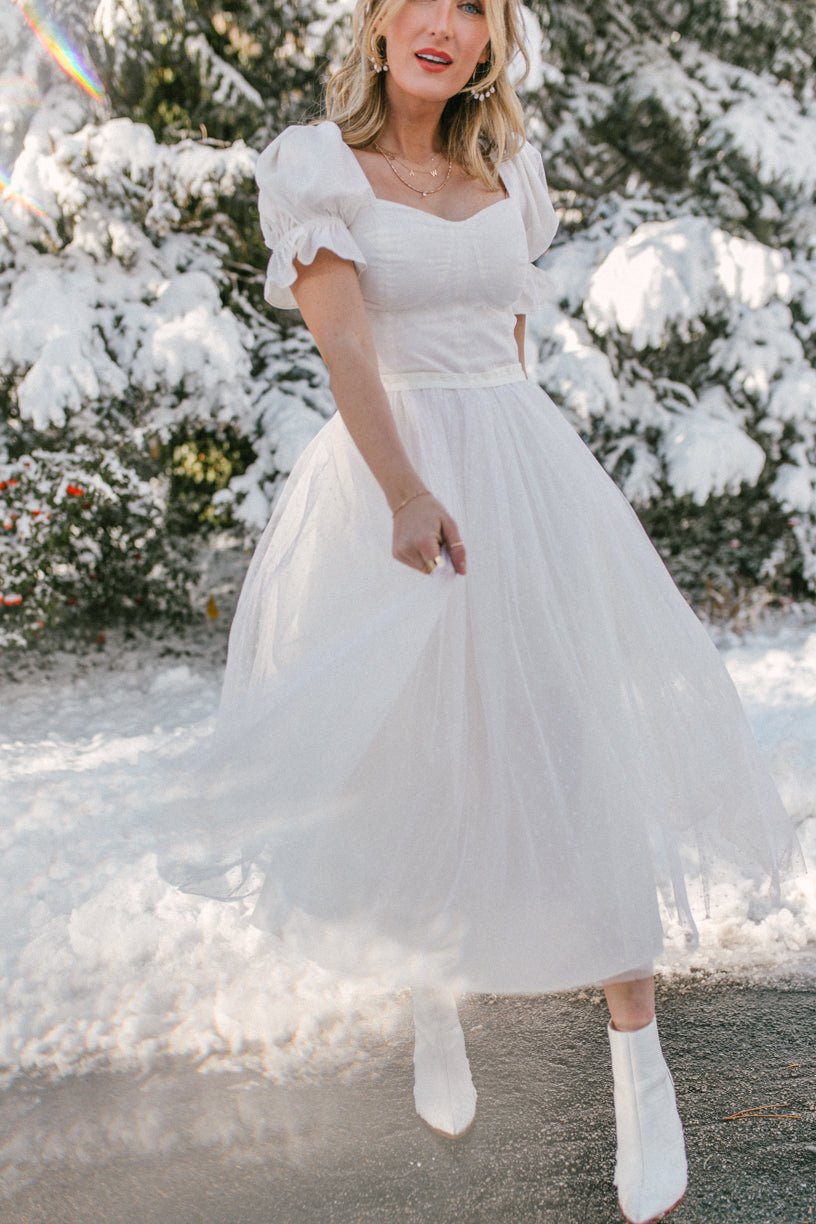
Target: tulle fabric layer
<point>487,778</point>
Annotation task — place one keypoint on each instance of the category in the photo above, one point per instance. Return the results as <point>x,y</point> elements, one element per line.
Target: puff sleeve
<point>309,192</point>
<point>525,179</point>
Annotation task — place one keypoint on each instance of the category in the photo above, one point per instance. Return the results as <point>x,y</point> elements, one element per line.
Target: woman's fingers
<point>430,555</point>
<point>420,533</point>
<point>454,545</point>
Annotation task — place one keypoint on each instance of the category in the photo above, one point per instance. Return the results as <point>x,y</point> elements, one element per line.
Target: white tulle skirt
<point>487,778</point>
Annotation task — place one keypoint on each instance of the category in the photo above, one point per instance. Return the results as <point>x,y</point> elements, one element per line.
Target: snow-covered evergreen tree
<point>139,364</point>
<point>679,138</point>
<point>130,335</point>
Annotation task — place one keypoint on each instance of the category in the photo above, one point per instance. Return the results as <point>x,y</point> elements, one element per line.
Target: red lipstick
<point>437,61</point>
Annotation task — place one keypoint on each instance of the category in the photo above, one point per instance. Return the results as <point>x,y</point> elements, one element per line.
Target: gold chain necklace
<point>410,186</point>
<point>411,171</point>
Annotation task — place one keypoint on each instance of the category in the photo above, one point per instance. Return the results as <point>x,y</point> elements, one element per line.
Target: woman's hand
<point>421,527</point>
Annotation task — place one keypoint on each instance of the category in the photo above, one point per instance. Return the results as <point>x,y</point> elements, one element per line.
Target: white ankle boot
<point>650,1170</point>
<point>443,1090</point>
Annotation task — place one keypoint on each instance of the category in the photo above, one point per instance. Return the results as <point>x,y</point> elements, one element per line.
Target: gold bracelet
<point>411,498</point>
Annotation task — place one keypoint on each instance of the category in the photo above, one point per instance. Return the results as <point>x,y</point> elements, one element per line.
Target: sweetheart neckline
<point>448,220</point>
<point>396,203</point>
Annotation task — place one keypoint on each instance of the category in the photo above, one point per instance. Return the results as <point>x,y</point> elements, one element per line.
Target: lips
<point>430,57</point>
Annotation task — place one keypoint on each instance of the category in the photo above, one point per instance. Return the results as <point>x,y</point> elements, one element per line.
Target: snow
<point>793,487</point>
<point>668,274</point>
<point>230,86</point>
<point>105,964</point>
<point>760,346</point>
<point>616,293</point>
<point>741,112</point>
<point>769,130</point>
<point>62,321</point>
<point>575,372</point>
<point>705,451</point>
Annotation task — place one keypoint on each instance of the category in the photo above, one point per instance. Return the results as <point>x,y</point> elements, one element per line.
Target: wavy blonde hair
<point>476,135</point>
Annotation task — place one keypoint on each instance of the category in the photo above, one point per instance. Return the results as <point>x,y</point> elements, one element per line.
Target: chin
<point>428,91</point>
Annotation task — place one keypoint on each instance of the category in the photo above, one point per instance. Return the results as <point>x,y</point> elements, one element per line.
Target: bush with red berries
<point>83,545</point>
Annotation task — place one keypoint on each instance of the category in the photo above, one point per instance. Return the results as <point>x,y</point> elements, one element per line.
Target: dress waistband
<point>412,380</point>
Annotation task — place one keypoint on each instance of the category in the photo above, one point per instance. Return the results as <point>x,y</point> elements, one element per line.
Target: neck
<point>411,129</point>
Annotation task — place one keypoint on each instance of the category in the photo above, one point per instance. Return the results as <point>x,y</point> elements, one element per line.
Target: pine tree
<point>141,368</point>
<point>678,139</point>
<point>138,362</point>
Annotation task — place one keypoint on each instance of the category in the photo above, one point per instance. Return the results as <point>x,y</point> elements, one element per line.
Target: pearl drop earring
<point>480,97</point>
<point>383,67</point>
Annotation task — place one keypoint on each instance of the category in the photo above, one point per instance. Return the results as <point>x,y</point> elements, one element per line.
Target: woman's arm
<point>328,294</point>
<point>518,332</point>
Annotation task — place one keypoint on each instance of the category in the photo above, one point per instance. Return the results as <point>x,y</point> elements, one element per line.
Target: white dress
<point>488,777</point>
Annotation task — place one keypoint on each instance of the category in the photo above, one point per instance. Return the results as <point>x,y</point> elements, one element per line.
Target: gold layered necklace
<point>394,161</point>
<point>416,169</point>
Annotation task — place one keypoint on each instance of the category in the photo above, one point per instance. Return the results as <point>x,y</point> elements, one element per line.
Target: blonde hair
<point>476,135</point>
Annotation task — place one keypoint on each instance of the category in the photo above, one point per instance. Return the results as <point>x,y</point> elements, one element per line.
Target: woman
<point>469,725</point>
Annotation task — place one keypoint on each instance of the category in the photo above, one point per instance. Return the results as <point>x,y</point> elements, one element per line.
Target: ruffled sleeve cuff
<point>309,194</point>
<point>535,292</point>
<point>302,241</point>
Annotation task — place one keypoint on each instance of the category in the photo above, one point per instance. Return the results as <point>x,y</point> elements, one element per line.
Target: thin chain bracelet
<point>411,498</point>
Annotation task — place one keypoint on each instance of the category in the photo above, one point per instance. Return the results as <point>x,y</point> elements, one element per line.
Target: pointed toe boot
<point>444,1094</point>
<point>650,1167</point>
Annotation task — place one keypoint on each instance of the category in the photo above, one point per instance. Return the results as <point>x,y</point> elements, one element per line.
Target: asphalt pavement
<point>175,1146</point>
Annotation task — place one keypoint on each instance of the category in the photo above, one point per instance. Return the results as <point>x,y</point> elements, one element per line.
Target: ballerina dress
<point>490,779</point>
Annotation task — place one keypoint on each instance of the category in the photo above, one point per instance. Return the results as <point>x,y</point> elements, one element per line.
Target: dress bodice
<point>440,295</point>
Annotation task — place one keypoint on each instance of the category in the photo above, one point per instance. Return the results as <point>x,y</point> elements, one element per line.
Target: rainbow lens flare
<point>24,90</point>
<point>64,54</point>
<point>9,196</point>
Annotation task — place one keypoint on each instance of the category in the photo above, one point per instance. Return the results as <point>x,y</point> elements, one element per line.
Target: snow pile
<point>103,962</point>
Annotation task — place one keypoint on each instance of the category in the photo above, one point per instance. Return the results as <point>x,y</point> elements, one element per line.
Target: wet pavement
<point>176,1146</point>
